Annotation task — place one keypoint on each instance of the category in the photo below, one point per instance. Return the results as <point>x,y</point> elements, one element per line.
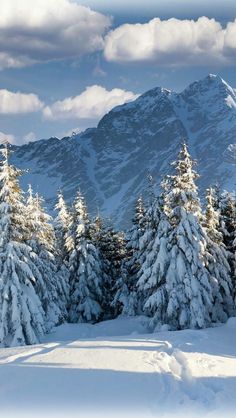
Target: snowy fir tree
<point>61,227</point>
<point>111,245</point>
<point>218,262</point>
<point>22,318</point>
<point>52,289</point>
<point>146,242</point>
<point>190,294</point>
<point>86,275</point>
<point>126,298</point>
<point>152,274</point>
<point>117,255</point>
<point>228,216</point>
<point>102,239</point>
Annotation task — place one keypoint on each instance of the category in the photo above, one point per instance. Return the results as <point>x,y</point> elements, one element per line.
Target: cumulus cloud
<point>172,42</point>
<point>14,103</point>
<point>92,103</point>
<point>45,30</point>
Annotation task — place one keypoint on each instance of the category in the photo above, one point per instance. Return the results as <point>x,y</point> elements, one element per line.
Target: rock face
<point>110,163</point>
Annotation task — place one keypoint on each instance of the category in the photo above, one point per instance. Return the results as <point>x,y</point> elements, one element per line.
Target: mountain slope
<point>110,163</point>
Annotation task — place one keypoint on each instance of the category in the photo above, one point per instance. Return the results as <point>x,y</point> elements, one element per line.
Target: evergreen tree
<point>228,214</point>
<point>218,264</point>
<point>190,294</point>
<point>22,318</point>
<point>61,227</point>
<point>156,260</point>
<point>112,250</point>
<point>101,239</point>
<point>126,298</point>
<point>117,256</point>
<point>53,287</point>
<point>86,275</point>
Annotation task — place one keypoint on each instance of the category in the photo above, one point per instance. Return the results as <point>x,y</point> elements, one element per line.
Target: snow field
<point>116,369</point>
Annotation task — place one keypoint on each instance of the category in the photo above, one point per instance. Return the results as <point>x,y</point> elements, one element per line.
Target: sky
<point>65,63</point>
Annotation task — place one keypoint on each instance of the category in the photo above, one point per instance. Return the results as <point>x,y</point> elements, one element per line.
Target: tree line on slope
<point>177,263</point>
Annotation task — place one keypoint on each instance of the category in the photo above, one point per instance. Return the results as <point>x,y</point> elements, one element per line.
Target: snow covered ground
<point>117,369</point>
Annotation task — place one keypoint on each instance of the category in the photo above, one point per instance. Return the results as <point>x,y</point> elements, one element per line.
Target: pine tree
<point>126,298</point>
<point>53,287</point>
<point>101,240</point>
<point>22,319</point>
<point>156,260</point>
<point>61,227</point>
<point>117,256</point>
<point>228,215</point>
<point>86,275</point>
<point>190,295</point>
<point>218,261</point>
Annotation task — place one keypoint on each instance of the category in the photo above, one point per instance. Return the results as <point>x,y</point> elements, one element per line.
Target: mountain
<point>110,163</point>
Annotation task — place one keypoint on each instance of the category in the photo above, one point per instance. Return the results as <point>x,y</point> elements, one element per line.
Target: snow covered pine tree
<point>155,262</point>
<point>52,289</point>
<point>190,293</point>
<point>86,276</point>
<point>218,262</point>
<point>126,298</point>
<point>22,318</point>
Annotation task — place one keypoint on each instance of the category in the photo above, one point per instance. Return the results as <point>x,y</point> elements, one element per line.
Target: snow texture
<point>116,368</point>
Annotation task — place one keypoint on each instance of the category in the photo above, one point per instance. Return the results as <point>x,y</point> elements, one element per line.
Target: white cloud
<point>12,139</point>
<point>45,30</point>
<point>92,103</point>
<point>7,137</point>
<point>14,103</point>
<point>172,42</point>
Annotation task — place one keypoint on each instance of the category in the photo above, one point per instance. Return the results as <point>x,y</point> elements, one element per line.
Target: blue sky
<point>64,63</point>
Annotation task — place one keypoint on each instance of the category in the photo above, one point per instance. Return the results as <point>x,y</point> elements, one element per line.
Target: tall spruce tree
<point>228,215</point>
<point>61,227</point>
<point>190,294</point>
<point>155,262</point>
<point>112,251</point>
<point>218,261</point>
<point>86,275</point>
<point>22,318</point>
<point>53,287</point>
<point>126,298</point>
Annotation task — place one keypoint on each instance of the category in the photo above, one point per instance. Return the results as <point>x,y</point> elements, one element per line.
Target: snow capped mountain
<point>110,163</point>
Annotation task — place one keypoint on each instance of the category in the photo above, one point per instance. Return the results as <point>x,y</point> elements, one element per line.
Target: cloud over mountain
<point>92,103</point>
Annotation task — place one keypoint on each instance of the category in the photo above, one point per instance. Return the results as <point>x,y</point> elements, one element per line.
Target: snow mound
<point>231,323</point>
<point>122,326</point>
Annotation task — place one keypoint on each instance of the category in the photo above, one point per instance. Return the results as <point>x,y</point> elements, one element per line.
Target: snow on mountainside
<point>110,163</point>
<point>116,369</point>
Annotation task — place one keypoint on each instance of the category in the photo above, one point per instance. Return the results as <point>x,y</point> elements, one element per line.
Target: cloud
<point>7,137</point>
<point>48,30</point>
<point>12,139</point>
<point>92,103</point>
<point>15,103</point>
<point>172,42</point>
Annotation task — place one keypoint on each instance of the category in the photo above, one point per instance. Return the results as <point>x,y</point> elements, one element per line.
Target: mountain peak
<point>212,86</point>
<point>110,163</point>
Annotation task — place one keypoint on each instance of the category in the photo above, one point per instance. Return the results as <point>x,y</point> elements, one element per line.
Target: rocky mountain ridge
<point>110,163</point>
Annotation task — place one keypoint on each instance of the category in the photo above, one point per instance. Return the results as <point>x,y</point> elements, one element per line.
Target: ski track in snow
<point>154,375</point>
